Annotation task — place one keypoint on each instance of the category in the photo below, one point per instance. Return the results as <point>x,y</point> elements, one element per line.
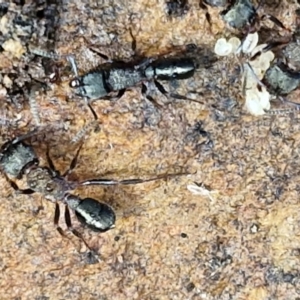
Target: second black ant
<point>117,76</point>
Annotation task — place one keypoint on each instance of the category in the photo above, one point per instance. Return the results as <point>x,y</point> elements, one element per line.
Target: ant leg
<point>20,191</point>
<point>133,43</point>
<point>151,99</point>
<point>161,88</point>
<point>103,56</point>
<point>203,6</point>
<point>82,132</point>
<point>73,163</point>
<point>17,189</point>
<point>284,100</point>
<point>51,164</point>
<point>91,109</point>
<point>269,47</point>
<point>273,45</point>
<point>127,181</point>
<point>23,137</point>
<point>89,126</point>
<point>175,96</point>
<point>92,124</point>
<point>274,20</point>
<point>56,219</point>
<point>114,98</point>
<point>74,231</point>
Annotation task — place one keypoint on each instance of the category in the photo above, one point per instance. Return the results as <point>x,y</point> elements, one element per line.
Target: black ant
<point>18,160</point>
<point>116,76</point>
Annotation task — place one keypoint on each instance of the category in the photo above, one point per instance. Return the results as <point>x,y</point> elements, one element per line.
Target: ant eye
<point>74,83</point>
<point>33,184</point>
<point>49,187</point>
<point>53,77</point>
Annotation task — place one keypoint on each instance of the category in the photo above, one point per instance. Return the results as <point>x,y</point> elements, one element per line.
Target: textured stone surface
<point>238,242</point>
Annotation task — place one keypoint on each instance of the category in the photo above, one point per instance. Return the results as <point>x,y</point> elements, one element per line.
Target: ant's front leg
<point>17,189</point>
<point>203,6</point>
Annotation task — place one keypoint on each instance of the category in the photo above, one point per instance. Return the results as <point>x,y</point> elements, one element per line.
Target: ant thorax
<point>42,180</point>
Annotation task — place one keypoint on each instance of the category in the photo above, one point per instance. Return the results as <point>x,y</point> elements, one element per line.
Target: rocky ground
<point>234,236</point>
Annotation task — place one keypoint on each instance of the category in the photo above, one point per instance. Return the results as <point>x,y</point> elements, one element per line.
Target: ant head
<point>15,155</point>
<point>74,83</point>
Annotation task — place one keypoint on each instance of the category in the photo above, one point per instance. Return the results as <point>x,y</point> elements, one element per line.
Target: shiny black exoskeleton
<point>169,69</point>
<point>118,76</point>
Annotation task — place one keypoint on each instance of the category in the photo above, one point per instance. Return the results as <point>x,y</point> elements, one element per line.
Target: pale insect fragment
<point>258,48</point>
<point>235,43</point>
<point>201,191</point>
<point>257,102</point>
<point>263,60</point>
<point>222,47</point>
<point>255,74</point>
<point>249,81</point>
<point>250,42</point>
<point>270,56</point>
<point>266,59</point>
<point>252,76</point>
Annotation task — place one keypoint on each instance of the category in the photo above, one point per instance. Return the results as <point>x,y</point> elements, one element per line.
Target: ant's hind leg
<point>274,20</point>
<point>148,97</point>
<point>68,223</point>
<point>173,95</point>
<point>56,220</point>
<point>74,231</point>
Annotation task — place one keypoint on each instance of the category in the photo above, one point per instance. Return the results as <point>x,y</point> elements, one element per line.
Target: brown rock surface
<point>240,241</point>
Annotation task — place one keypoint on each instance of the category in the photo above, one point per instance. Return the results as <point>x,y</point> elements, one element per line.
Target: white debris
<point>257,102</point>
<point>250,42</point>
<point>235,43</point>
<point>201,190</point>
<point>257,98</point>
<point>222,47</point>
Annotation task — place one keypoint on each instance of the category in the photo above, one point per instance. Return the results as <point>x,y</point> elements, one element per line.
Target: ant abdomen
<point>96,215</point>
